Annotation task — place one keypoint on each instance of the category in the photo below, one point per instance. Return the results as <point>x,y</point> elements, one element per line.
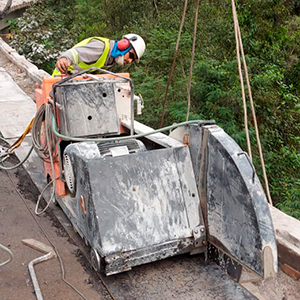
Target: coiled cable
<point>40,130</point>
<point>46,152</point>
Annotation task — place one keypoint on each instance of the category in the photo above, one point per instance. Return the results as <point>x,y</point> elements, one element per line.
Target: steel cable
<point>11,255</point>
<point>47,111</point>
<point>174,63</point>
<point>192,61</point>
<point>2,167</point>
<point>39,128</point>
<point>241,78</point>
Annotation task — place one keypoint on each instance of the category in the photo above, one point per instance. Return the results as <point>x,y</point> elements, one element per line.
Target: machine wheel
<point>95,259</point>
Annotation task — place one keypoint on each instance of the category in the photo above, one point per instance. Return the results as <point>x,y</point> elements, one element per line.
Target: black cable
<point>2,167</point>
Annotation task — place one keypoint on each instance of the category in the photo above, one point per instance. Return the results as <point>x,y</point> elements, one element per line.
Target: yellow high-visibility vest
<point>98,64</point>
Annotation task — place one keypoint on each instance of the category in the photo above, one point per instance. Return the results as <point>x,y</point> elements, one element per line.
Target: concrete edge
<point>22,63</point>
<point>15,7</point>
<point>287,230</point>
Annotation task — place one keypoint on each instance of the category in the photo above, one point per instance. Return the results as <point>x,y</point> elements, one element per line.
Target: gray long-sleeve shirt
<point>90,53</point>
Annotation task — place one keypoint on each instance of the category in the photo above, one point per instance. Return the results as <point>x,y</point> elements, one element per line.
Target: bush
<point>41,34</point>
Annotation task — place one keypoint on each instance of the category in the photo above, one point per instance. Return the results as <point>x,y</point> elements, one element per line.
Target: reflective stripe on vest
<point>98,64</point>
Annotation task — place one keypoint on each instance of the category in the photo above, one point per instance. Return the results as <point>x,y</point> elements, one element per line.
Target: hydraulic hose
<point>73,139</point>
<point>18,164</point>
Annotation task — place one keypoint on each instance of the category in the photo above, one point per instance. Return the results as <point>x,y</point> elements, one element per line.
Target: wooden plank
<point>254,291</point>
<point>290,271</point>
<point>39,246</point>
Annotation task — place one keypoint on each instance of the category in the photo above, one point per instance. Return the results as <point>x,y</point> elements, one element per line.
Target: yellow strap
<point>19,141</point>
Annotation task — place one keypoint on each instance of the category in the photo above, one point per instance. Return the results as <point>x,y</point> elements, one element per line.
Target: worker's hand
<point>63,64</point>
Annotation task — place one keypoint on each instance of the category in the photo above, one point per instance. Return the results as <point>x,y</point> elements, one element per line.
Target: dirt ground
<point>16,223</point>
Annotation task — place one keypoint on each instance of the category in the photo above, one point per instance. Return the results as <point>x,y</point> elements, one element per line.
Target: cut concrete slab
<point>16,108</point>
<point>286,227</point>
<point>22,63</point>
<point>15,117</point>
<point>16,112</point>
<point>9,91</point>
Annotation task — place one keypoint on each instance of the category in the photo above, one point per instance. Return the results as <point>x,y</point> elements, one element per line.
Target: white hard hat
<point>137,43</point>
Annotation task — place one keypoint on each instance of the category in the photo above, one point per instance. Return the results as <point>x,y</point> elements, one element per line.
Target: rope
<point>240,44</point>
<point>236,25</point>
<point>192,61</point>
<point>173,64</point>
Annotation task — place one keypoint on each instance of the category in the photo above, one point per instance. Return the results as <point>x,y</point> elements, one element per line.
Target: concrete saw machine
<point>136,195</point>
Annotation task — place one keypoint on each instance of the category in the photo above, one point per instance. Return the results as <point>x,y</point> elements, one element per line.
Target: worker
<point>100,52</point>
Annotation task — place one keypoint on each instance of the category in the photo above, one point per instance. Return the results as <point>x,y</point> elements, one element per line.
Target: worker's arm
<point>88,53</point>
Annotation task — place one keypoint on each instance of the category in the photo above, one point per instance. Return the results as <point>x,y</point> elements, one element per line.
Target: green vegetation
<point>271,36</point>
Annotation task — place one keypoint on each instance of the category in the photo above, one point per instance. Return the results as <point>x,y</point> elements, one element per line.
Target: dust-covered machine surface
<point>136,198</point>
